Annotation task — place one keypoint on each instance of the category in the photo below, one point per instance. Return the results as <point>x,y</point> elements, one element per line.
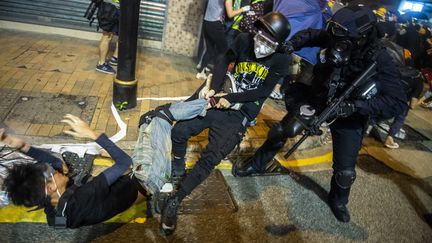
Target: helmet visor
<point>264,40</point>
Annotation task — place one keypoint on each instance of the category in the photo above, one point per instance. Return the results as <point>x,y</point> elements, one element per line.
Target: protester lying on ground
<point>46,184</point>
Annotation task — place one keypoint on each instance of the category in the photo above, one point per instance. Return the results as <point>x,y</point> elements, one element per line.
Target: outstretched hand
<point>79,128</point>
<point>13,142</point>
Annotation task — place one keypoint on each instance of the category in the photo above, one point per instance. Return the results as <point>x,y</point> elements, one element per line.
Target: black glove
<point>287,47</point>
<point>345,109</point>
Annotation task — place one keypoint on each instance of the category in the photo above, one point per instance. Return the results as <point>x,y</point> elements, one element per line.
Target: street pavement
<point>392,192</point>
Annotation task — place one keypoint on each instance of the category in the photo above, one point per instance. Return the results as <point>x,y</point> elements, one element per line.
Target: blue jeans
<point>152,153</point>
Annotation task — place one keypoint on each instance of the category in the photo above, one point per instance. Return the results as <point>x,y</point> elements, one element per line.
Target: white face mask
<point>263,46</point>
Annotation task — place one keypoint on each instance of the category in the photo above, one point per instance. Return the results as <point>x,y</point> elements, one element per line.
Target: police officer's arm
<point>310,38</point>
<point>121,159</point>
<point>391,99</point>
<point>278,70</point>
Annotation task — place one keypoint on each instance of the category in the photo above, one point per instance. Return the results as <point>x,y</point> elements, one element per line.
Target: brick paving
<point>41,64</point>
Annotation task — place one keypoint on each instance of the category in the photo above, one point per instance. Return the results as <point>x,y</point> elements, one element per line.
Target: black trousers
<point>215,40</point>
<point>347,136</point>
<point>226,130</point>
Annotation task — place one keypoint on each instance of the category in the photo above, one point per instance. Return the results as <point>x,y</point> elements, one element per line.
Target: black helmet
<point>352,21</point>
<point>275,24</point>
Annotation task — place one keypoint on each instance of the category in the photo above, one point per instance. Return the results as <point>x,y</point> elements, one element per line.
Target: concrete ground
<point>392,191</point>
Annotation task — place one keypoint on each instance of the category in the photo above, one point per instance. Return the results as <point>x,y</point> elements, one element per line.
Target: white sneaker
<point>203,92</point>
<point>389,143</point>
<point>203,74</point>
<point>426,104</point>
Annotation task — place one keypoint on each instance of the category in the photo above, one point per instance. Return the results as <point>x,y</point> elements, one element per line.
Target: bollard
<point>125,83</point>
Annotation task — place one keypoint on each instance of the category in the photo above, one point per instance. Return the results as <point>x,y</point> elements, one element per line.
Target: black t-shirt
<point>95,201</point>
<point>254,78</point>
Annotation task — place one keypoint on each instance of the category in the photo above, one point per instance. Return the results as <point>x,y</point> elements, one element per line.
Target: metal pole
<point>125,83</point>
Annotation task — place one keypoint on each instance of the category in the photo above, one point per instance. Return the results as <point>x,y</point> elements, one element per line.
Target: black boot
<point>339,210</point>
<point>169,216</point>
<point>246,170</point>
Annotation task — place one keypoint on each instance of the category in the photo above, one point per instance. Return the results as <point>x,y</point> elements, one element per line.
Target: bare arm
<point>231,12</point>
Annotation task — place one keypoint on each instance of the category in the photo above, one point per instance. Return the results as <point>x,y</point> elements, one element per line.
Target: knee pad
<point>345,178</point>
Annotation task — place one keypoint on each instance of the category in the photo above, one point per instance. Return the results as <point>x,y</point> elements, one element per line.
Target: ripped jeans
<point>152,154</point>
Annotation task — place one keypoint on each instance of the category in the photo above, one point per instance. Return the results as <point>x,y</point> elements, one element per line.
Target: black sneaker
<point>169,216</point>
<point>105,68</point>
<point>113,61</point>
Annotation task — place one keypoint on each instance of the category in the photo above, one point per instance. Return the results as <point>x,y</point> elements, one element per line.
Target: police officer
<point>351,45</point>
<point>258,67</point>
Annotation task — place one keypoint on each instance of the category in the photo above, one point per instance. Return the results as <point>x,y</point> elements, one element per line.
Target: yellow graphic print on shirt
<point>249,75</point>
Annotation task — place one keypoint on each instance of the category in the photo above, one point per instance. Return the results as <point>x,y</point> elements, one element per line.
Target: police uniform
<point>347,133</point>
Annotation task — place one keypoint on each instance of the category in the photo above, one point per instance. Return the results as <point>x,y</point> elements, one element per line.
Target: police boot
<point>339,192</point>
<point>244,168</point>
<point>339,210</point>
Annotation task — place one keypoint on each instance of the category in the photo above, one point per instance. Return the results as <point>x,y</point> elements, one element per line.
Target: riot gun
<point>91,9</point>
<point>313,127</point>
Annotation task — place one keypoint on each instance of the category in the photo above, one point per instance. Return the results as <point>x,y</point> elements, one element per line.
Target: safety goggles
<point>49,174</point>
<point>266,41</point>
<point>337,29</point>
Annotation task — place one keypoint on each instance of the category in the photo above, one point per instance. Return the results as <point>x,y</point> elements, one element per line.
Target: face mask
<point>264,46</point>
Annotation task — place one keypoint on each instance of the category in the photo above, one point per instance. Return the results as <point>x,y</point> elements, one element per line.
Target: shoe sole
<point>113,64</point>
<point>166,231</point>
<point>102,71</point>
<point>392,146</point>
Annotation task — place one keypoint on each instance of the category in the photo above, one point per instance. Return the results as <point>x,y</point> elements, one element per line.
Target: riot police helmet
<point>353,22</point>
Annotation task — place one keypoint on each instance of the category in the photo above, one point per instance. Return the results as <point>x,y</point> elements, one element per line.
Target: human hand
<point>223,104</point>
<point>246,8</point>
<point>209,94</point>
<point>12,141</point>
<point>79,128</point>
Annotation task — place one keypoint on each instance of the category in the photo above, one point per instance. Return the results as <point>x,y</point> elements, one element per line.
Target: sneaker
<point>203,74</point>
<point>202,93</point>
<point>105,68</point>
<point>113,61</point>
<point>389,143</point>
<point>276,95</point>
<point>252,123</point>
<point>426,104</point>
<point>169,216</point>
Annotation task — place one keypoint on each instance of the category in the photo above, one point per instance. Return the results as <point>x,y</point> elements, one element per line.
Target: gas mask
<point>340,52</point>
<point>263,45</point>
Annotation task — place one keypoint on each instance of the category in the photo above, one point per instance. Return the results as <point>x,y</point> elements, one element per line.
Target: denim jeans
<point>152,153</point>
